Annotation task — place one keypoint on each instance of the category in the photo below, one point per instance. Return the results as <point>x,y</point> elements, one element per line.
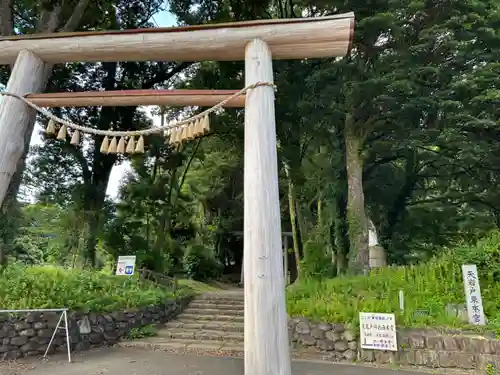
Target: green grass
<point>197,287</point>
<point>429,286</point>
<point>54,287</point>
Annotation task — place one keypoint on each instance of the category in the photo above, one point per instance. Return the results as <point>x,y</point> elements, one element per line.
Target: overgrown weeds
<point>55,287</point>
<point>428,287</point>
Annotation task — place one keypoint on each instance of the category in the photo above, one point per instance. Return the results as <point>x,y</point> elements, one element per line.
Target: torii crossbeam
<point>256,42</point>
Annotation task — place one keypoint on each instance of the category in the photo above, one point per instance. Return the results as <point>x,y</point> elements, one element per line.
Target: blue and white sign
<point>378,331</point>
<point>125,265</point>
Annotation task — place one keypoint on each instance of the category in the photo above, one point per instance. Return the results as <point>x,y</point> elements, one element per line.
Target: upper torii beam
<point>256,42</point>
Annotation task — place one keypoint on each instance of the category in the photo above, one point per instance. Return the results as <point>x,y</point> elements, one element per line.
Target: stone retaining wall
<point>29,334</point>
<point>429,348</point>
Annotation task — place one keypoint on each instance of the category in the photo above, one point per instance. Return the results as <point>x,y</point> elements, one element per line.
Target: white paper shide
<point>378,331</point>
<point>473,294</point>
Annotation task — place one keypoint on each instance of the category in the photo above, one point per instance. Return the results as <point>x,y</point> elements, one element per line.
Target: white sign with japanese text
<point>473,295</point>
<point>125,265</point>
<point>378,331</point>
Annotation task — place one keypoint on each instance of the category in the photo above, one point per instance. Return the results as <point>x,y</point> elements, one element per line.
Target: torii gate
<point>256,42</point>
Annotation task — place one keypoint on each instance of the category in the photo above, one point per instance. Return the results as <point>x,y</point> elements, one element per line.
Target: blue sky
<point>165,19</point>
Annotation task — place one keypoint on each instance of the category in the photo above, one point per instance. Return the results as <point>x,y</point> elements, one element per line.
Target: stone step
<point>222,298</point>
<point>218,348</point>
<point>204,325</point>
<point>213,317</point>
<point>183,334</point>
<point>200,311</point>
<point>216,306</point>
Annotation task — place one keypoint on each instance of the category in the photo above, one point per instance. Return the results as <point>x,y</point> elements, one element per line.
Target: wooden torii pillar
<point>255,42</point>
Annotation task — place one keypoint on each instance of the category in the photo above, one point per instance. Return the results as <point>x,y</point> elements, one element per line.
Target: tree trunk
<point>359,256</point>
<point>296,237</point>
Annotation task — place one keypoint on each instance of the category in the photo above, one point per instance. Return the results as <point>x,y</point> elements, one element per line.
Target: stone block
<point>21,326</point>
<point>33,317</point>
<point>407,356</point>
<point>30,332</point>
<point>383,356</point>
<point>19,340</point>
<point>366,355</point>
<point>303,328</point>
<point>488,360</point>
<point>476,345</point>
<point>325,326</point>
<point>450,343</point>
<point>349,355</point>
<point>39,325</point>
<point>317,333</point>
<point>416,341</point>
<point>447,359</point>
<point>466,361</point>
<point>326,345</point>
<point>12,355</point>
<point>349,335</point>
<point>495,346</point>
<point>307,340</point>
<point>332,336</point>
<point>341,346</point>
<point>340,328</point>
<point>434,343</point>
<point>29,347</point>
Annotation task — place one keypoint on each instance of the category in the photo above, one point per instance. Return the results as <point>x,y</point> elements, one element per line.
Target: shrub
<point>200,264</point>
<point>55,287</point>
<point>428,286</point>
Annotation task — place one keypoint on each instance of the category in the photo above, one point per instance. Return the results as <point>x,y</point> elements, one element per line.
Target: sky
<point>162,19</point>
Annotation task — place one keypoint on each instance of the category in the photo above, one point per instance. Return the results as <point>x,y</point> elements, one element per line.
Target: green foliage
<point>200,264</point>
<point>55,287</point>
<point>318,261</point>
<point>428,286</point>
<point>142,332</point>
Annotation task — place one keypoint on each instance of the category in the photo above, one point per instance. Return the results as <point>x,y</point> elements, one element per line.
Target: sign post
<point>378,331</point>
<point>125,265</point>
<point>473,295</point>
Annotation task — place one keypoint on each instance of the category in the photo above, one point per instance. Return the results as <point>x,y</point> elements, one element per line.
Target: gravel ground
<point>129,361</point>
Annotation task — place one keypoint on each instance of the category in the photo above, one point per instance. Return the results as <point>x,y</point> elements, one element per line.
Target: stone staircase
<point>211,324</point>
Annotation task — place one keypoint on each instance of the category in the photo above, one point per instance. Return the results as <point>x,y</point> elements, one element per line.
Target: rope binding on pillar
<point>132,142</point>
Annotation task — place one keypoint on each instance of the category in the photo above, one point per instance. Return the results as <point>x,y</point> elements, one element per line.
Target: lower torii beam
<point>266,332</point>
<point>27,77</point>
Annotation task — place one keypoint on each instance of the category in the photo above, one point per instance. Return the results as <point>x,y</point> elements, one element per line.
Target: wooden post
<point>266,332</point>
<point>26,77</point>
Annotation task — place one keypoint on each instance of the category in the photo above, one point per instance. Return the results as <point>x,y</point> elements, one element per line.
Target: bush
<point>54,287</point>
<point>200,264</point>
<point>428,286</point>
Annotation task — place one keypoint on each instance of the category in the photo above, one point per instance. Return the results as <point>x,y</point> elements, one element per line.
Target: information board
<point>378,331</point>
<point>125,265</point>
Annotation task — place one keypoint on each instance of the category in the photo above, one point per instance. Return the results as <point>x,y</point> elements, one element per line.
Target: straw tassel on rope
<point>105,145</point>
<point>112,146</point>
<point>205,125</point>
<point>51,127</point>
<point>130,145</point>
<point>120,149</point>
<point>139,148</point>
<point>75,138</point>
<point>61,135</point>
